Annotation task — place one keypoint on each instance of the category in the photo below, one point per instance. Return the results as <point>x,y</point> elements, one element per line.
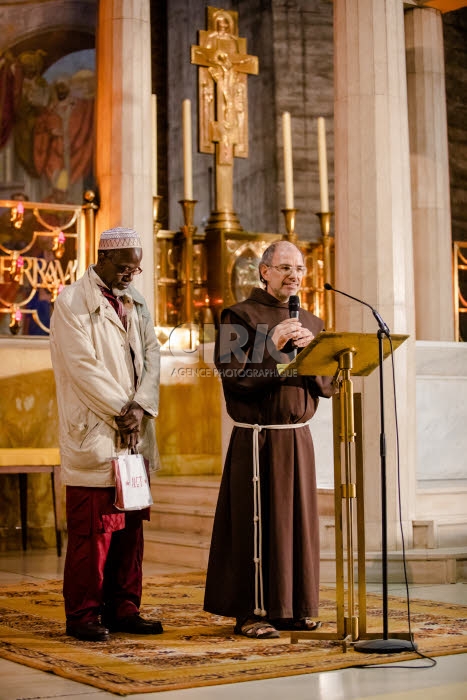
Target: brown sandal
<point>305,624</point>
<point>253,628</point>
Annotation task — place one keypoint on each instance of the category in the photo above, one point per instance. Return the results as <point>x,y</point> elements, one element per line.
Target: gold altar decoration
<point>174,276</point>
<point>223,105</point>
<point>460,289</point>
<point>289,217</point>
<point>232,275</point>
<point>196,275</point>
<point>42,248</point>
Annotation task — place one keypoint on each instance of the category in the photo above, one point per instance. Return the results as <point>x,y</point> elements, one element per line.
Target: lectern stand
<point>344,355</point>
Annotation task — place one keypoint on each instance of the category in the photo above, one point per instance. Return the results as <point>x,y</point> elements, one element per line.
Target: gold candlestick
<point>325,221</point>
<point>325,224</point>
<point>188,230</point>
<point>289,215</point>
<point>156,200</point>
<point>156,226</point>
<point>88,241</point>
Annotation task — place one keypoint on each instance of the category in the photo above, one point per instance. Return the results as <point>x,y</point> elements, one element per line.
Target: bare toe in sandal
<point>305,624</point>
<point>256,629</point>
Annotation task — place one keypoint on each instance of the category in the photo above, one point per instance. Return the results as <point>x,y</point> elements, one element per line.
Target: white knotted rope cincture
<point>257,527</point>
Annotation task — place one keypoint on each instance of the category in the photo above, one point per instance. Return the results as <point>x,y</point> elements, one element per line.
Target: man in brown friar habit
<point>264,560</point>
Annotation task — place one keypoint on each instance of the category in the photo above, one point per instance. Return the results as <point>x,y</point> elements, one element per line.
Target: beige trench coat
<point>93,367</point>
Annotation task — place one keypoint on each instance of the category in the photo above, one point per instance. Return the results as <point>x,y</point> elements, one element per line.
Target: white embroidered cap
<point>119,237</point>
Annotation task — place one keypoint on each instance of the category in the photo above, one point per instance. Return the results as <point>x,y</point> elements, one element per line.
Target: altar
<point>193,272</point>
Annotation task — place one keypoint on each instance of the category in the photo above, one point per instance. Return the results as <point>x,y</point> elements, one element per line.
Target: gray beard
<point>118,292</point>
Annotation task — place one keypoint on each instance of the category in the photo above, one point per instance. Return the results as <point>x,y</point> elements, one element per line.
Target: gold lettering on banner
<point>40,273</point>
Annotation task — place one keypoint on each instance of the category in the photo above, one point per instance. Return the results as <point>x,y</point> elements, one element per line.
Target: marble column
<point>429,164</point>
<point>123,130</point>
<point>374,257</point>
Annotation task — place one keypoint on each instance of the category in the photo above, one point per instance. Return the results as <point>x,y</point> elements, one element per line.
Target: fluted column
<point>374,259</point>
<point>429,164</point>
<point>123,132</point>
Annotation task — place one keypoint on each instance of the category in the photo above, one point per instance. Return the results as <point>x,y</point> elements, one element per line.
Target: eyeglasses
<point>127,271</point>
<point>124,270</point>
<point>288,269</point>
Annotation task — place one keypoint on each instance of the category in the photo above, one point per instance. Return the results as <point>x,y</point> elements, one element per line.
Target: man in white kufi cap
<point>119,238</point>
<point>106,361</point>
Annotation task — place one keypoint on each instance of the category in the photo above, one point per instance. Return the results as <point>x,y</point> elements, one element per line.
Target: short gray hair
<point>268,254</point>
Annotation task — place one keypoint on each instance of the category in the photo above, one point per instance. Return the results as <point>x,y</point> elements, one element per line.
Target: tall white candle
<point>154,144</point>
<point>323,165</point>
<point>288,173</point>
<point>187,151</point>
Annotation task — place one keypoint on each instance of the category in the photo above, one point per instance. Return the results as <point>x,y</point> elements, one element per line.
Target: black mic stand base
<point>384,646</point>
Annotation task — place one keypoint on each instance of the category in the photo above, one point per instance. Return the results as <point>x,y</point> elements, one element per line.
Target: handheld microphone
<point>382,325</point>
<point>294,306</point>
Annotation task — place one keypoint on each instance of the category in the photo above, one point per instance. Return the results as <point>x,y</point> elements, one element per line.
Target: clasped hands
<point>129,423</point>
<point>291,329</point>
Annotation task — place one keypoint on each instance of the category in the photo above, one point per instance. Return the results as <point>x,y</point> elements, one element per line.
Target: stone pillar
<point>123,129</point>
<point>374,259</point>
<point>431,211</point>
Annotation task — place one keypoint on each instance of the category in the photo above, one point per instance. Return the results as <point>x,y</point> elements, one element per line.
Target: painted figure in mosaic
<point>264,560</point>
<point>106,361</point>
<point>63,139</point>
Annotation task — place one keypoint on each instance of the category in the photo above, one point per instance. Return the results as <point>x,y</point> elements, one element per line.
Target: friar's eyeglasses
<point>287,269</point>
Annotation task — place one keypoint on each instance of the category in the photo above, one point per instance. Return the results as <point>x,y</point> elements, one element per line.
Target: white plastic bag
<point>132,490</point>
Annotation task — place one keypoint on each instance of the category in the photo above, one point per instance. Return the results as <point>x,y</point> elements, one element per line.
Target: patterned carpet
<point>196,648</point>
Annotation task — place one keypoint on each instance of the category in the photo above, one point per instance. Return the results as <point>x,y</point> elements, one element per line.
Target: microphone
<point>294,306</point>
<point>382,326</point>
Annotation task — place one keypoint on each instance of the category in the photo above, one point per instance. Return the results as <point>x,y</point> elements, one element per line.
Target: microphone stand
<point>384,645</point>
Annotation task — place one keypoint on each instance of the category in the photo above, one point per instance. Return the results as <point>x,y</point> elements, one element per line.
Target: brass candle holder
<point>156,226</point>
<point>156,200</point>
<point>15,320</point>
<point>87,244</point>
<point>16,266</point>
<point>17,215</point>
<point>58,245</point>
<point>325,222</point>
<point>326,240</point>
<point>188,230</point>
<point>289,216</point>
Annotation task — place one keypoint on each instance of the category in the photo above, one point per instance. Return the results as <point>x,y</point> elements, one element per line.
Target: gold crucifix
<point>223,103</point>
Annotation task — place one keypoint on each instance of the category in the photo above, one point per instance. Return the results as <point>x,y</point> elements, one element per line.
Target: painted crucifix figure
<point>223,105</point>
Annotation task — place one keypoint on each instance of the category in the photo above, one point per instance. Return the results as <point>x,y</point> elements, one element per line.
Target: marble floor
<point>412,680</point>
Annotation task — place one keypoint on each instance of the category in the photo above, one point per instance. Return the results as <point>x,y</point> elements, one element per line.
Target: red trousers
<point>103,567</point>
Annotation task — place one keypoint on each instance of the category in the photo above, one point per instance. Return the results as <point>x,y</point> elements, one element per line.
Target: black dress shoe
<point>88,631</point>
<point>135,624</point>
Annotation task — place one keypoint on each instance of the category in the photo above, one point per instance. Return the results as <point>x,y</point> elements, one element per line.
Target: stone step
<point>182,515</point>
<point>179,534</point>
<point>444,532</point>
<point>181,518</point>
<point>180,490</point>
<point>187,550</point>
<point>436,566</point>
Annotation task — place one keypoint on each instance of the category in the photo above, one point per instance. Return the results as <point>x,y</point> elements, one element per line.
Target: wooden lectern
<point>344,355</point>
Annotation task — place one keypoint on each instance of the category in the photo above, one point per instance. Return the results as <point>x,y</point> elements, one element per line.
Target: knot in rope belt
<point>257,535</point>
